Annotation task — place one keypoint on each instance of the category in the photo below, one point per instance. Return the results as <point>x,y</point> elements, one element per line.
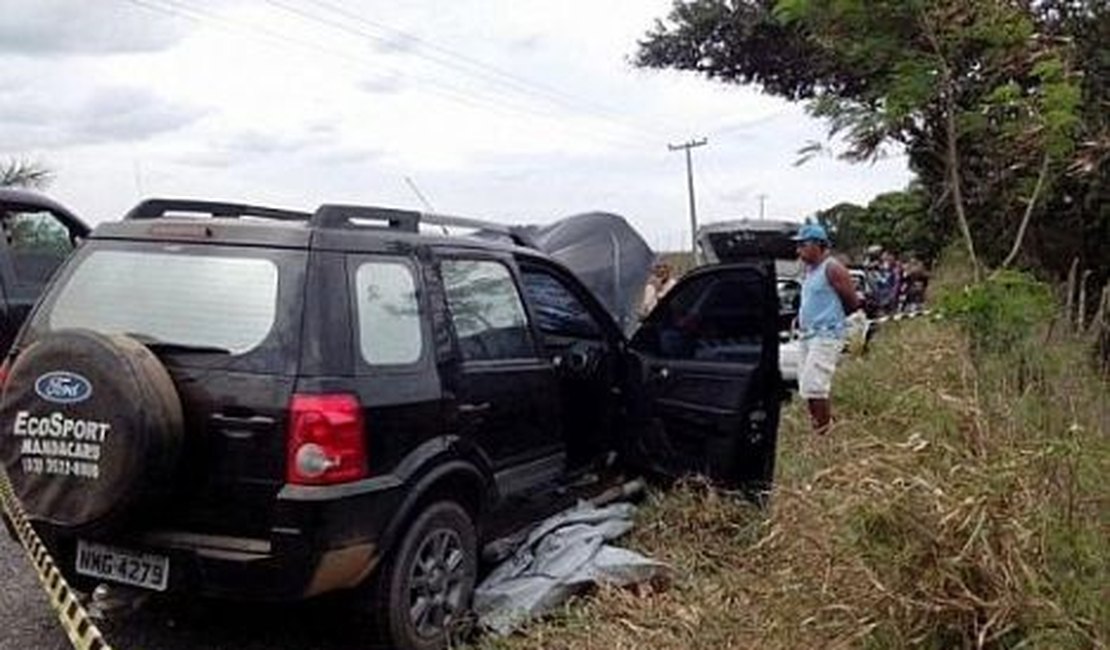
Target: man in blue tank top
<point>828,296</point>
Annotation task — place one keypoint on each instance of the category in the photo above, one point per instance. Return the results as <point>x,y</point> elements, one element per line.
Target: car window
<point>557,309</point>
<point>198,300</point>
<point>710,318</point>
<point>486,310</point>
<point>38,242</point>
<point>388,313</point>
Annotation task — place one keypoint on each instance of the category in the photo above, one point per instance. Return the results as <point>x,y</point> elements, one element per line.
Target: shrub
<point>1000,314</point>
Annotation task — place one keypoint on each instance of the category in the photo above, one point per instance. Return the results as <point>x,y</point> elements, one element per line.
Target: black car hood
<point>606,254</point>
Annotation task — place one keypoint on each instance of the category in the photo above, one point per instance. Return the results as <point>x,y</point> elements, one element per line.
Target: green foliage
<point>1001,313</point>
<point>1019,80</point>
<point>742,42</point>
<point>898,221</point>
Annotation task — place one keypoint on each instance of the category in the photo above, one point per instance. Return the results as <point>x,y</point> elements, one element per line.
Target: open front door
<point>704,378</point>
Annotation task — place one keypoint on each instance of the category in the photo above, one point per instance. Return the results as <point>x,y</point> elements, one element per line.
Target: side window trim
<point>534,356</point>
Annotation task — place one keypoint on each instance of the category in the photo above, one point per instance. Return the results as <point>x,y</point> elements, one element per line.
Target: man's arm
<point>841,281</point>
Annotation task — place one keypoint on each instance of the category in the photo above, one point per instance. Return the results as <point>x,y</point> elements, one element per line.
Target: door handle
<point>662,373</point>
<point>471,409</point>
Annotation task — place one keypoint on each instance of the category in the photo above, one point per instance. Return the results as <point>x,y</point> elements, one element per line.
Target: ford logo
<point>63,387</point>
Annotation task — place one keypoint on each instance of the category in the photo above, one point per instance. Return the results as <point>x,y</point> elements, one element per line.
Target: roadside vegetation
<point>961,501</point>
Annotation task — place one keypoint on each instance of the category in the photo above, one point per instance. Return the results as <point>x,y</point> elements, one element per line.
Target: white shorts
<point>816,366</point>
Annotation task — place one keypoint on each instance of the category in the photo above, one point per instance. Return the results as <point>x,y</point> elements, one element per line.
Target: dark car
<point>39,234</point>
<point>271,405</point>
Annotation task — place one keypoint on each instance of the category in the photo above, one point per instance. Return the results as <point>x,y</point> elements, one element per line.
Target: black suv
<point>252,403</point>
<point>38,234</point>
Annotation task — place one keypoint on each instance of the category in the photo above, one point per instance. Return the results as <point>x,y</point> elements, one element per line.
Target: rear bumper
<point>220,567</point>
<point>316,546</point>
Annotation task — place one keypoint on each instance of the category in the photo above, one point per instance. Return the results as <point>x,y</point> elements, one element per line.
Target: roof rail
<point>332,215</point>
<point>158,208</point>
<point>329,215</point>
<point>346,216</point>
<point>436,219</point>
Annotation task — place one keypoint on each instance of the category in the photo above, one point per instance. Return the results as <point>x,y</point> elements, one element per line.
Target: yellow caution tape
<point>82,633</point>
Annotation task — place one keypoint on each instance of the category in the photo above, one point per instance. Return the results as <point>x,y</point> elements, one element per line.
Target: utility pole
<point>690,187</point>
<point>762,199</point>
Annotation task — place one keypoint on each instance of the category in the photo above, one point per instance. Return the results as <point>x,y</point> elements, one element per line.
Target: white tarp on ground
<point>562,556</point>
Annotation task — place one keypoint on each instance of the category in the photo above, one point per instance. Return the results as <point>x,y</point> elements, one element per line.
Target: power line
<point>710,174</point>
<point>484,72</point>
<point>429,84</point>
<point>466,64</point>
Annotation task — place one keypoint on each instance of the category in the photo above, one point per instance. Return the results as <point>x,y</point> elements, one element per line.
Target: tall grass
<point>961,501</point>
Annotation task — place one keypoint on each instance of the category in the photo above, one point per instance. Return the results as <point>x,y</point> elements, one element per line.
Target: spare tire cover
<point>90,428</point>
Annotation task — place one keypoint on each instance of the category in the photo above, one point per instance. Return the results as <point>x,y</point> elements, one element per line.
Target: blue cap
<point>812,232</point>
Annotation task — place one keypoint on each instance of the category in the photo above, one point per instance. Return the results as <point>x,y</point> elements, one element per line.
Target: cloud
<point>260,143</point>
<point>738,194</point>
<point>55,27</point>
<point>396,42</point>
<point>315,142</point>
<point>349,156</point>
<point>129,114</point>
<point>525,44</point>
<point>384,85</point>
<point>33,118</point>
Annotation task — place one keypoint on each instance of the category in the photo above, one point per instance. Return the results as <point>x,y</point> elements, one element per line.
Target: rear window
<point>740,245</point>
<point>202,300</point>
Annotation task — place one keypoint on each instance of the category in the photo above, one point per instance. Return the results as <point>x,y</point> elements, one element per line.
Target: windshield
<point>209,301</point>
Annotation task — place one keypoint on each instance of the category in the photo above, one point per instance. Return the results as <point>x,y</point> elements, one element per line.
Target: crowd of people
<point>887,284</point>
<point>893,286</point>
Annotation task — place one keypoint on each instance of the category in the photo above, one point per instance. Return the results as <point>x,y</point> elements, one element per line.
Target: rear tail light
<point>326,442</point>
<point>5,370</point>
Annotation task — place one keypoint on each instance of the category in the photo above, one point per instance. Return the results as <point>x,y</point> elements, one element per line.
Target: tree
<point>986,105</point>
<point>21,173</point>
<point>898,221</point>
<point>850,227</point>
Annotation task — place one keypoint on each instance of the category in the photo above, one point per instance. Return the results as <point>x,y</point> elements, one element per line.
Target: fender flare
<point>422,482</point>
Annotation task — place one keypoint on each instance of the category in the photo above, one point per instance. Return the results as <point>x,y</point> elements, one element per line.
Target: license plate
<point>121,565</point>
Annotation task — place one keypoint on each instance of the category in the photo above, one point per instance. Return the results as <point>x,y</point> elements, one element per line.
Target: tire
<point>421,597</point>
<point>91,430</point>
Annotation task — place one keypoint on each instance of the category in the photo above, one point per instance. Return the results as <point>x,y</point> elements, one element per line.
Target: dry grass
<point>951,507</point>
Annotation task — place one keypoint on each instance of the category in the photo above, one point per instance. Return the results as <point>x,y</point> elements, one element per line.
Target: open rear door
<point>704,378</point>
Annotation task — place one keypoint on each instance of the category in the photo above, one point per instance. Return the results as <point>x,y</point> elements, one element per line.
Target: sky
<point>518,111</point>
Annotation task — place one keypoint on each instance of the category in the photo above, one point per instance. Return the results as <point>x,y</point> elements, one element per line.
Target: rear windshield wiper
<point>158,345</point>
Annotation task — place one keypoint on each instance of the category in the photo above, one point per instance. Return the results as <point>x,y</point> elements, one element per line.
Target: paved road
<point>26,620</point>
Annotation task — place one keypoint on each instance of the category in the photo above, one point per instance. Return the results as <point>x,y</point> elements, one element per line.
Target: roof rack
<point>158,208</point>
<point>329,215</point>
<point>347,216</point>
